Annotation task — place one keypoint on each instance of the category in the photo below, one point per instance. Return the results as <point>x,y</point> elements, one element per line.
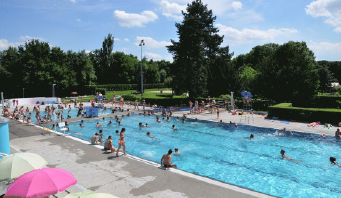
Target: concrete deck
<point>129,176</point>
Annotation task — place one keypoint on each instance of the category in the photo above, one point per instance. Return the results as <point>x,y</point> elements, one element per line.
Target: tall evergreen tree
<point>196,51</point>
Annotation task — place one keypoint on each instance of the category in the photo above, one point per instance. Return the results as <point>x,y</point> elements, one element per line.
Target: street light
<point>53,89</point>
<point>23,92</point>
<point>141,44</point>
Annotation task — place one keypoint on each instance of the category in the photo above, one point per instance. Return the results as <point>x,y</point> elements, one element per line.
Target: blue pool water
<point>223,152</point>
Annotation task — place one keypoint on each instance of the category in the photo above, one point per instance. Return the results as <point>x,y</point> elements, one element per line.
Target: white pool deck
<point>130,176</point>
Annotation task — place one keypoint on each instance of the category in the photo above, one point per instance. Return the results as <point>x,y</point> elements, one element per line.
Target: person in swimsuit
<point>98,125</point>
<point>166,160</point>
<point>190,106</point>
<point>333,161</point>
<point>150,135</point>
<point>284,156</point>
<point>144,104</point>
<point>100,136</point>
<point>94,139</point>
<point>218,111</point>
<point>108,145</point>
<point>121,142</point>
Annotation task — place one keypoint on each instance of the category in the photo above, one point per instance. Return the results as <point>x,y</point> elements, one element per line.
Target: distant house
<point>335,84</point>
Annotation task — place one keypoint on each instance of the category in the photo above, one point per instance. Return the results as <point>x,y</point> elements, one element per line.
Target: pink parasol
<point>74,93</point>
<point>40,183</point>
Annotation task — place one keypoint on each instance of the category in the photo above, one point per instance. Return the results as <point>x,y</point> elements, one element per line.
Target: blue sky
<point>82,24</point>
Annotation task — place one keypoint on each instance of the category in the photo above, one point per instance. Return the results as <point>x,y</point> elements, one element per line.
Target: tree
<point>103,60</point>
<point>195,51</point>
<point>297,79</point>
<point>325,76</point>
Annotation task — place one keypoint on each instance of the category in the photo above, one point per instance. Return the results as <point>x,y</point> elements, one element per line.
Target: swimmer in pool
<point>177,118</point>
<point>284,156</point>
<point>98,125</point>
<point>141,125</point>
<point>173,127</point>
<point>80,125</point>
<point>176,152</point>
<point>150,135</point>
<point>100,136</point>
<point>333,161</point>
<point>147,125</point>
<point>110,123</point>
<point>251,137</point>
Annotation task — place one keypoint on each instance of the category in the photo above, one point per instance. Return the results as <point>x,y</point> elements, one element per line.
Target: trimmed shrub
<point>120,87</point>
<point>285,111</point>
<point>129,97</point>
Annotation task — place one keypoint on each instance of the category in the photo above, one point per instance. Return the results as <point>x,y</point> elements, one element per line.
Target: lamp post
<point>141,44</point>
<point>53,89</point>
<point>23,92</point>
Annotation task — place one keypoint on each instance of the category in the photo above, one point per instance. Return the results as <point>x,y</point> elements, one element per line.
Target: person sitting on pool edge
<point>108,145</point>
<point>166,160</point>
<point>333,161</point>
<point>284,156</point>
<point>337,133</point>
<point>94,139</point>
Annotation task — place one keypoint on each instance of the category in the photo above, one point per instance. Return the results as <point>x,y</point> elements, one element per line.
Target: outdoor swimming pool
<point>223,152</point>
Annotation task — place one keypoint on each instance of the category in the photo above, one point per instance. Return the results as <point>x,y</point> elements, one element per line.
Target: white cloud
<point>29,38</point>
<point>87,51</point>
<point>338,29</point>
<point>78,20</point>
<point>117,39</point>
<point>126,39</point>
<point>222,8</point>
<point>73,1</point>
<point>326,51</point>
<point>153,56</point>
<point>131,20</point>
<point>151,43</point>
<point>237,5</point>
<point>249,35</point>
<point>4,44</point>
<point>172,10</point>
<point>330,10</point>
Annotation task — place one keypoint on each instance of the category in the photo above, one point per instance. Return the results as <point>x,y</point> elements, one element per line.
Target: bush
<point>129,97</point>
<point>285,111</point>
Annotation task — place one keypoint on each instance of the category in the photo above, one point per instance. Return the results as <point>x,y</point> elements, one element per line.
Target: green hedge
<point>120,87</point>
<point>330,101</point>
<point>285,111</point>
